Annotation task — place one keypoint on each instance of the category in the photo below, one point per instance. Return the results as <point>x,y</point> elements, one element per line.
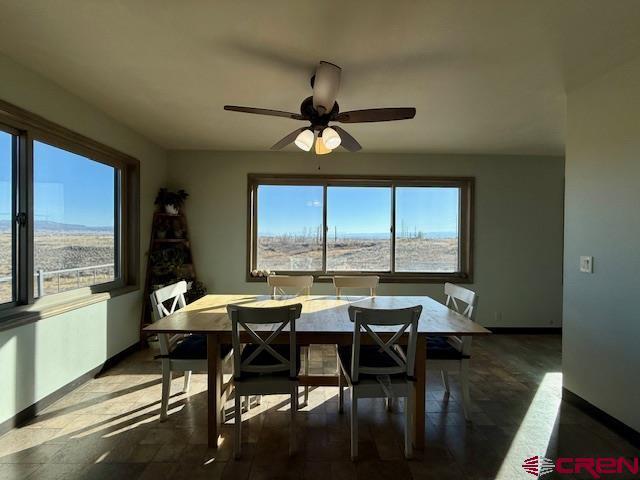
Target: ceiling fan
<point>322,108</point>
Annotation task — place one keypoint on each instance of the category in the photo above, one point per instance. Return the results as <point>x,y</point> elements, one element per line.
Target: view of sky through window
<point>427,237</point>
<point>74,219</point>
<point>6,240</point>
<point>359,228</point>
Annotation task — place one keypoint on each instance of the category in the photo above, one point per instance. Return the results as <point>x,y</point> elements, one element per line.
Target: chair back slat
<point>356,281</point>
<point>280,317</point>
<point>301,284</point>
<point>173,295</point>
<point>406,321</point>
<point>455,295</point>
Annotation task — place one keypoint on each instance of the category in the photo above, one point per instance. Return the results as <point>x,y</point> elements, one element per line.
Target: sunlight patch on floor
<point>534,433</point>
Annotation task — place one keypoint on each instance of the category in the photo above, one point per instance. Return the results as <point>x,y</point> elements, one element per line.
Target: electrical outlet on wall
<point>498,318</point>
<point>586,264</point>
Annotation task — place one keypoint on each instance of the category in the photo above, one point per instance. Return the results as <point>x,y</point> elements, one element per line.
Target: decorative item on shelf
<point>178,229</point>
<point>171,201</point>
<point>261,273</point>
<point>168,262</point>
<point>162,229</point>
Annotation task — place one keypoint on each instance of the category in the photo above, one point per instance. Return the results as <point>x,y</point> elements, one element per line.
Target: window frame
<point>466,220</point>
<point>29,128</point>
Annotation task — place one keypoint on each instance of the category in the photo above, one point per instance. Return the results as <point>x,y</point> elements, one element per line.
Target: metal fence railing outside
<point>40,275</point>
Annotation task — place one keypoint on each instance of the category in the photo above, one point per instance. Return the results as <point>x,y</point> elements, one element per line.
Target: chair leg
<point>340,392</point>
<point>354,425</point>
<point>464,383</point>
<point>307,357</point>
<point>292,424</point>
<point>408,426</point>
<point>445,380</point>
<point>237,419</point>
<point>166,389</point>
<point>187,381</point>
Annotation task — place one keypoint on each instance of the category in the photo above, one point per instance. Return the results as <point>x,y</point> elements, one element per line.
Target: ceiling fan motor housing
<point>318,121</point>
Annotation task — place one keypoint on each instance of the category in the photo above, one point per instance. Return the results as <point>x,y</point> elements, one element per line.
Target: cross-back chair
<point>453,353</point>
<point>379,369</point>
<point>296,285</point>
<point>264,367</point>
<point>179,353</point>
<point>340,282</point>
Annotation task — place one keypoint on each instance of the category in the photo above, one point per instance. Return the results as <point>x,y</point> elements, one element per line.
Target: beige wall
<point>602,218</point>
<point>518,239</point>
<point>39,358</point>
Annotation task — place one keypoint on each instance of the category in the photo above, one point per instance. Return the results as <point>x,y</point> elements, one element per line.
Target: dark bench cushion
<point>194,347</point>
<point>265,358</point>
<point>370,356</point>
<point>438,348</point>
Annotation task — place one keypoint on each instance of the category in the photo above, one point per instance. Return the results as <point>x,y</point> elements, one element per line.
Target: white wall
<point>601,352</point>
<point>518,238</point>
<point>37,359</point>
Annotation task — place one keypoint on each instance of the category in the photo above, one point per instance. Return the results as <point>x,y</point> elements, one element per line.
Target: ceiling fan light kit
<point>321,147</point>
<point>331,138</point>
<point>304,140</point>
<point>322,108</point>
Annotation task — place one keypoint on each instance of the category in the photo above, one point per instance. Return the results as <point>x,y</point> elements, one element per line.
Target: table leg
<point>214,389</point>
<point>420,392</point>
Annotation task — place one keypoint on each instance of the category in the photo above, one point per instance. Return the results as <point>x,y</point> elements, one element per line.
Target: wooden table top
<point>321,314</point>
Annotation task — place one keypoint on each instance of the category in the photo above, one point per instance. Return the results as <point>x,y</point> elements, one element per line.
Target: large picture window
<point>401,228</point>
<point>68,216</point>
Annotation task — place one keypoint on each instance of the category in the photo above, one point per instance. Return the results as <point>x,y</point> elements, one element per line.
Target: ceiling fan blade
<point>376,115</point>
<point>264,111</point>
<point>288,139</point>
<point>325,86</point>
<point>348,141</point>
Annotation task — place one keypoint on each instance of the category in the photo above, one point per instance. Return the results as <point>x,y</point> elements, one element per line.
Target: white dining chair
<point>182,352</point>
<point>285,284</point>
<point>263,367</point>
<point>296,285</point>
<point>380,370</point>
<point>453,353</point>
<point>370,282</point>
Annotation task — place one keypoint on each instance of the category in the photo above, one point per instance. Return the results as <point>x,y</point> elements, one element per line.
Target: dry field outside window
<point>55,250</point>
<point>412,254</point>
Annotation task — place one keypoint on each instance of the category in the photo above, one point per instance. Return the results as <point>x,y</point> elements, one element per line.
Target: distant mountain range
<point>45,225</point>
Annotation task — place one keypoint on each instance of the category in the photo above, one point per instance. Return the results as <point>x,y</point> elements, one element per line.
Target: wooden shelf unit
<point>152,276</point>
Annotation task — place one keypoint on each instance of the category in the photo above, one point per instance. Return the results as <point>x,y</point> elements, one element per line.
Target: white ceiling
<point>486,76</point>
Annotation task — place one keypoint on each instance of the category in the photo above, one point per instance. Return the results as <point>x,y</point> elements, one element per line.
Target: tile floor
<point>108,428</point>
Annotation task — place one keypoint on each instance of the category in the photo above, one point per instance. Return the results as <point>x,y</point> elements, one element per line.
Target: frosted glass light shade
<point>304,140</point>
<point>331,138</point>
<point>321,148</point>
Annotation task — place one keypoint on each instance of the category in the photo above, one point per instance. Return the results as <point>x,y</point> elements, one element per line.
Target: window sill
<point>384,278</point>
<point>26,314</point>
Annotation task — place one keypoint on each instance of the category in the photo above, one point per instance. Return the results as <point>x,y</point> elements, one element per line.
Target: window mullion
<point>24,227</point>
<point>325,227</point>
<point>392,257</point>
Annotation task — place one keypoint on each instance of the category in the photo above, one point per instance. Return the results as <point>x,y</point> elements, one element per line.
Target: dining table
<point>324,321</point>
